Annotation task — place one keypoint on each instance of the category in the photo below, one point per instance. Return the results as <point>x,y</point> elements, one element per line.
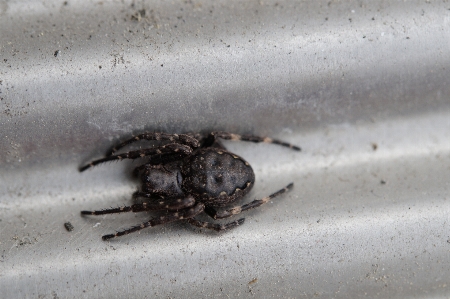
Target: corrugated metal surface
<point>362,86</point>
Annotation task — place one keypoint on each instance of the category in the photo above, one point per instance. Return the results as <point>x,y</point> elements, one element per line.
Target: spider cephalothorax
<point>188,175</point>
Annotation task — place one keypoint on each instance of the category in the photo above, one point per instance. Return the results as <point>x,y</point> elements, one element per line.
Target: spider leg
<point>176,138</point>
<point>182,214</point>
<point>168,148</point>
<point>166,158</point>
<point>239,209</point>
<point>214,226</point>
<point>251,138</point>
<point>169,204</point>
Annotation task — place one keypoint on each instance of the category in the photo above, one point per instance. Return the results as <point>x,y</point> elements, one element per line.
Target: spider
<point>188,174</point>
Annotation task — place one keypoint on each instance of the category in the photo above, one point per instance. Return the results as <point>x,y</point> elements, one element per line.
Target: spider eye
<point>218,179</point>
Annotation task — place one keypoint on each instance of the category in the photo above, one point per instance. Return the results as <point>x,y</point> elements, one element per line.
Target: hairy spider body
<point>187,176</point>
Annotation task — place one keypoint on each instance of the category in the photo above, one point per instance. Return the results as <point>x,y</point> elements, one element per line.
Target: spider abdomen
<point>217,177</point>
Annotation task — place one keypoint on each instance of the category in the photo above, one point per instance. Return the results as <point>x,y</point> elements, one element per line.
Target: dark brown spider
<point>188,175</point>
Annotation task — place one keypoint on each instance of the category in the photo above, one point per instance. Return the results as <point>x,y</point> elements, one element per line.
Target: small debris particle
<point>68,226</point>
<point>374,146</point>
<point>383,182</point>
<point>254,280</point>
<point>139,15</point>
<point>56,53</point>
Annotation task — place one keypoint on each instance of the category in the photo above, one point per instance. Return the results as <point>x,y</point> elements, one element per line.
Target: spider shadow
<point>209,232</point>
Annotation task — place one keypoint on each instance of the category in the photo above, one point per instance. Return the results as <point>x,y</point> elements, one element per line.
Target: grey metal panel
<point>362,86</point>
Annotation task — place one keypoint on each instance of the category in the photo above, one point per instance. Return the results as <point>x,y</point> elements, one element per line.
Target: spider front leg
<point>176,138</point>
<point>168,204</point>
<point>168,148</point>
<point>251,138</point>
<point>239,209</point>
<point>182,214</point>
